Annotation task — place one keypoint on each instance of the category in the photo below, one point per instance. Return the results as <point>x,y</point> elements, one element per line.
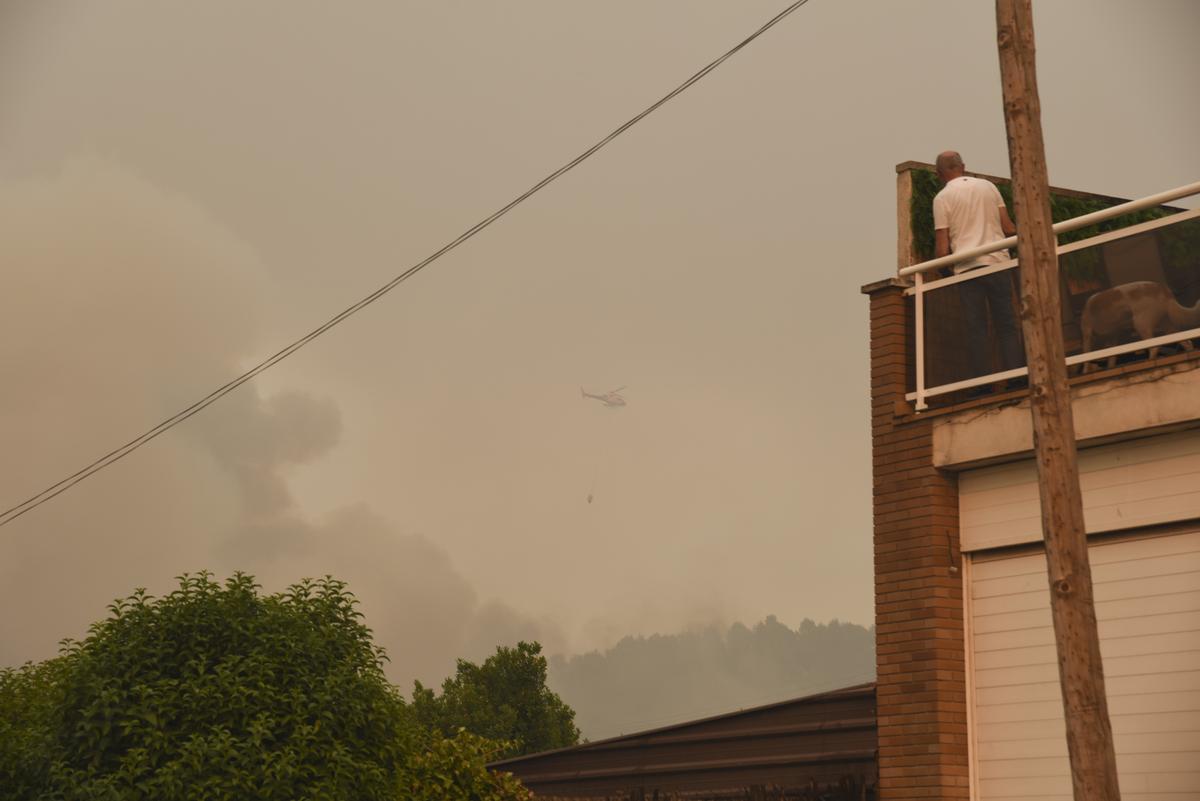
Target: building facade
<point>969,704</point>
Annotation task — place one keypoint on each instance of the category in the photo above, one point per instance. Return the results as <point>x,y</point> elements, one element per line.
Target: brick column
<point>919,645</point>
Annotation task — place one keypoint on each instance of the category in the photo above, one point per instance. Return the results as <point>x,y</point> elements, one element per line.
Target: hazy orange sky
<point>186,187</point>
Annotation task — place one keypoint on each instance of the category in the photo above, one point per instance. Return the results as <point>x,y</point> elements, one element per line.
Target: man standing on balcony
<point>969,212</point>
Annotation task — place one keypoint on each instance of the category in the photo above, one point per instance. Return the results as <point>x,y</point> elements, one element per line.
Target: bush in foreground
<point>218,692</point>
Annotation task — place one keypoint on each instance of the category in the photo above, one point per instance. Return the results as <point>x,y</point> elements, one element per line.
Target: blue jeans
<point>979,296</point>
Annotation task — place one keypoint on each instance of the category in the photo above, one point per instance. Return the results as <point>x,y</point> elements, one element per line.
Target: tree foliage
<point>452,768</point>
<point>218,692</point>
<point>505,698</point>
<point>30,700</point>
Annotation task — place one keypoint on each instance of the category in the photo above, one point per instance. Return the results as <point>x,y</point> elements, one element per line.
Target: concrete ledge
<point>884,283</point>
<point>1132,404</point>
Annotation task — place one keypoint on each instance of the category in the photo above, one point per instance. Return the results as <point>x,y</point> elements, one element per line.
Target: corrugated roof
<point>827,739</point>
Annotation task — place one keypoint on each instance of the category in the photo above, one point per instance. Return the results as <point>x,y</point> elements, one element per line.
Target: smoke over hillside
<point>122,304</point>
<point>647,682</point>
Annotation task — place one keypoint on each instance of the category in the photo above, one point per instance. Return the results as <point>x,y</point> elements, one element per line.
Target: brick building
<point>967,703</point>
<point>967,686</point>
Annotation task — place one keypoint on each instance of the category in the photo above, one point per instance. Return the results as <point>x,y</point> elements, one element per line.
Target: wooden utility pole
<point>1085,705</point>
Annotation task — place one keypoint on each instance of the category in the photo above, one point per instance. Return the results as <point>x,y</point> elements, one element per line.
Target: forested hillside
<point>646,682</point>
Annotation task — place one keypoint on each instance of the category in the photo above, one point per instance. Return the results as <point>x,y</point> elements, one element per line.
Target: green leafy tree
<point>30,700</point>
<point>505,699</point>
<point>452,768</point>
<point>217,692</point>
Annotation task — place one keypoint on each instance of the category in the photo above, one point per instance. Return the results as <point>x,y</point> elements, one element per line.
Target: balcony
<point>1129,296</point>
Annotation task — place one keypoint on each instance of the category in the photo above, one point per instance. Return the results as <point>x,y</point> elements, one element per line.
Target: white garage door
<point>1148,604</point>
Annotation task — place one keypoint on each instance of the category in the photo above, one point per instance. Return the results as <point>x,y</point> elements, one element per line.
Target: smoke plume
<point>124,303</point>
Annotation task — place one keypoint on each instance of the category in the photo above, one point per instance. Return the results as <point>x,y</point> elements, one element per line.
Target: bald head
<point>949,165</point>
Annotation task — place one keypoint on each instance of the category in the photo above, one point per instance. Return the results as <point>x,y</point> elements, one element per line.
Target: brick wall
<point>921,691</point>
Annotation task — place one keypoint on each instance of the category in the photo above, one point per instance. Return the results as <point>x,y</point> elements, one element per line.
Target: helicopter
<point>611,399</point>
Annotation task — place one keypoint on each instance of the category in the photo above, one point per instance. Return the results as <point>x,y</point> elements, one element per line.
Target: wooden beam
<point>904,236</point>
<point>1085,704</point>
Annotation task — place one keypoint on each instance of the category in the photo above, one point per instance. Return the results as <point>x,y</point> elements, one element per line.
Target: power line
<point>115,455</point>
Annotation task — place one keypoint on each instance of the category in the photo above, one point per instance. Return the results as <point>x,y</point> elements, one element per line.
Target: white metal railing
<point>921,287</point>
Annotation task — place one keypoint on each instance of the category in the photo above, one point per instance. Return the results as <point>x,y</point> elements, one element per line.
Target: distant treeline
<point>647,682</point>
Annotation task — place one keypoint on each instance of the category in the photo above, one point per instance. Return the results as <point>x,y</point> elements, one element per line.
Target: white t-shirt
<point>970,208</point>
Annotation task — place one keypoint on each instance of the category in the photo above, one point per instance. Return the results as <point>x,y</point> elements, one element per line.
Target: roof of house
<point>827,739</point>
